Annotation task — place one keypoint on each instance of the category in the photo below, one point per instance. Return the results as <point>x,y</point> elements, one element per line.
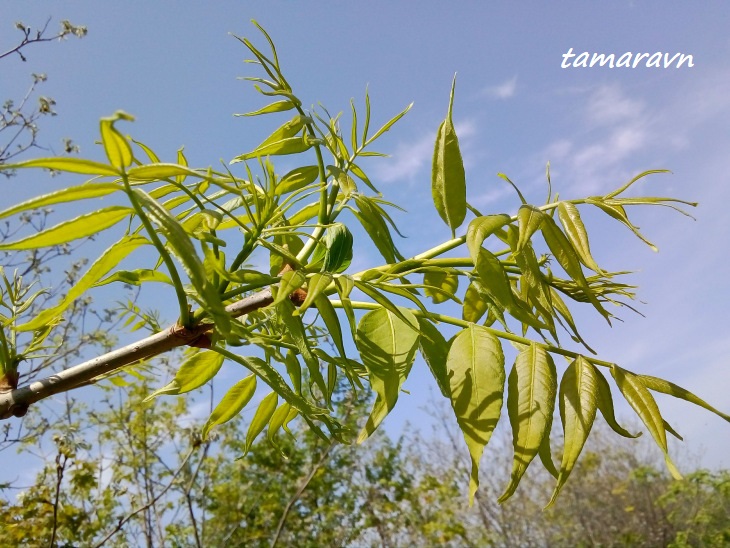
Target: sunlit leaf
<point>474,305</point>
<point>480,229</point>
<point>443,280</point>
<point>82,226</point>
<point>135,277</point>
<point>641,400</point>
<point>197,370</point>
<point>69,165</point>
<point>666,387</point>
<point>435,348</point>
<point>278,106</point>
<point>387,346</point>
<point>578,406</point>
<point>297,178</point>
<point>475,365</point>
<point>576,232</point>
<point>117,148</point>
<point>261,419</point>
<point>108,260</point>
<point>605,406</point>
<point>448,180</point>
<point>70,194</point>
<point>153,172</point>
<point>532,385</point>
<point>231,404</point>
<point>530,220</point>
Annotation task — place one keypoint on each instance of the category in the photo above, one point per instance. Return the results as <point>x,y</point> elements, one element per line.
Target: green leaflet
<point>474,306</point>
<point>70,194</point>
<point>563,251</point>
<point>666,387</point>
<point>641,400</point>
<point>532,385</point>
<point>387,346</point>
<point>82,226</point>
<point>480,229</point>
<point>530,220</point>
<point>605,406</point>
<point>434,348</point>
<point>304,214</point>
<point>371,291</point>
<point>69,165</point>
<point>448,179</point>
<point>331,321</point>
<point>231,404</point>
<point>578,406</point>
<point>295,330</point>
<point>291,280</point>
<point>576,232</point>
<point>108,260</point>
<point>135,277</point>
<point>260,419</point>
<point>277,421</point>
<point>297,178</point>
<point>443,280</point>
<point>614,209</point>
<point>117,148</point>
<point>278,106</point>
<point>294,370</point>
<point>315,285</point>
<point>197,370</point>
<point>475,365</point>
<point>376,228</point>
<point>153,172</point>
<point>284,140</point>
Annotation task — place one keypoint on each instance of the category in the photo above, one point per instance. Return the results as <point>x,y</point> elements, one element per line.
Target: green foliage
<point>298,225</point>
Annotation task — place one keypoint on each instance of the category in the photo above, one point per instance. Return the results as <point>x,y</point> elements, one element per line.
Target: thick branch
<point>16,402</point>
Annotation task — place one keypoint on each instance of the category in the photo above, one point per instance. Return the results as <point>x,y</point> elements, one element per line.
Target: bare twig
<point>16,402</point>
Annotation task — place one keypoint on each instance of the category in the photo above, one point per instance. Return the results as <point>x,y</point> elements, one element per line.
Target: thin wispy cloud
<point>505,90</point>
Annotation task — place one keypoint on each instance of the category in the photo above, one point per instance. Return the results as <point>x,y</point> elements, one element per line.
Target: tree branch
<point>16,402</point>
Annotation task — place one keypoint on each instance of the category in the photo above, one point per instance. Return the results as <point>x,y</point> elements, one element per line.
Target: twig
<point>16,402</point>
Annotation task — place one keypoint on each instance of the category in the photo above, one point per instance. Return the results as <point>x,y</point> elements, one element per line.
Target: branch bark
<point>16,402</point>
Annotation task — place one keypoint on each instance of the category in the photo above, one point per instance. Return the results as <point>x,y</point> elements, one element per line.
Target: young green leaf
<point>376,228</point>
<point>331,321</point>
<point>475,366</point>
<point>70,194</point>
<point>297,178</point>
<point>387,346</point>
<point>480,229</point>
<point>82,226</point>
<point>641,400</point>
<point>69,165</point>
<point>291,280</point>
<point>117,148</point>
<point>445,281</point>
<point>448,179</point>
<point>666,387</point>
<point>154,172</point>
<point>197,370</point>
<point>578,406</point>
<point>278,106</point>
<point>110,258</point>
<point>315,285</point>
<point>576,232</point>
<point>232,403</point>
<point>605,406</point>
<point>277,421</point>
<point>434,348</point>
<point>532,385</point>
<point>474,305</point>
<point>530,220</point>
<point>260,419</point>
<point>135,277</point>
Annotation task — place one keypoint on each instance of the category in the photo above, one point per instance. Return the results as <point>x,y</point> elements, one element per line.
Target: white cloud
<point>505,90</point>
<point>608,105</point>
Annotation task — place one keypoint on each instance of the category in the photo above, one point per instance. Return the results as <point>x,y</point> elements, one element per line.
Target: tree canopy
<point>291,324</point>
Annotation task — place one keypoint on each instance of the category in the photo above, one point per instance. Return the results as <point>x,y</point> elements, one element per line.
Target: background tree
<point>181,212</point>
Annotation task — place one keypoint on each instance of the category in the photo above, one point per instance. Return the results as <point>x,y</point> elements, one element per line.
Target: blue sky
<point>174,66</point>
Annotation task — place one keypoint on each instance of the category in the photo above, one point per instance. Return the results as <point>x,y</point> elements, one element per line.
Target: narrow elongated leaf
<point>475,365</point>
<point>135,277</point>
<point>617,211</point>
<point>291,145</point>
<point>153,172</point>
<point>577,234</point>
<point>386,126</point>
<point>530,220</point>
<point>82,226</point>
<point>231,404</point>
<point>381,299</point>
<point>434,348</point>
<point>69,165</point>
<point>578,406</point>
<point>261,419</point>
<point>117,148</point>
<point>563,251</point>
<point>387,346</point>
<point>331,321</point>
<point>641,400</point>
<point>108,260</point>
<point>315,285</point>
<point>277,421</point>
<point>70,194</point>
<point>291,280</point>
<point>448,179</point>
<point>480,229</point>
<point>197,370</point>
<point>666,387</point>
<point>376,228</point>
<point>532,386</point>
<point>278,106</point>
<point>442,280</point>
<point>297,178</point>
<point>605,405</point>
